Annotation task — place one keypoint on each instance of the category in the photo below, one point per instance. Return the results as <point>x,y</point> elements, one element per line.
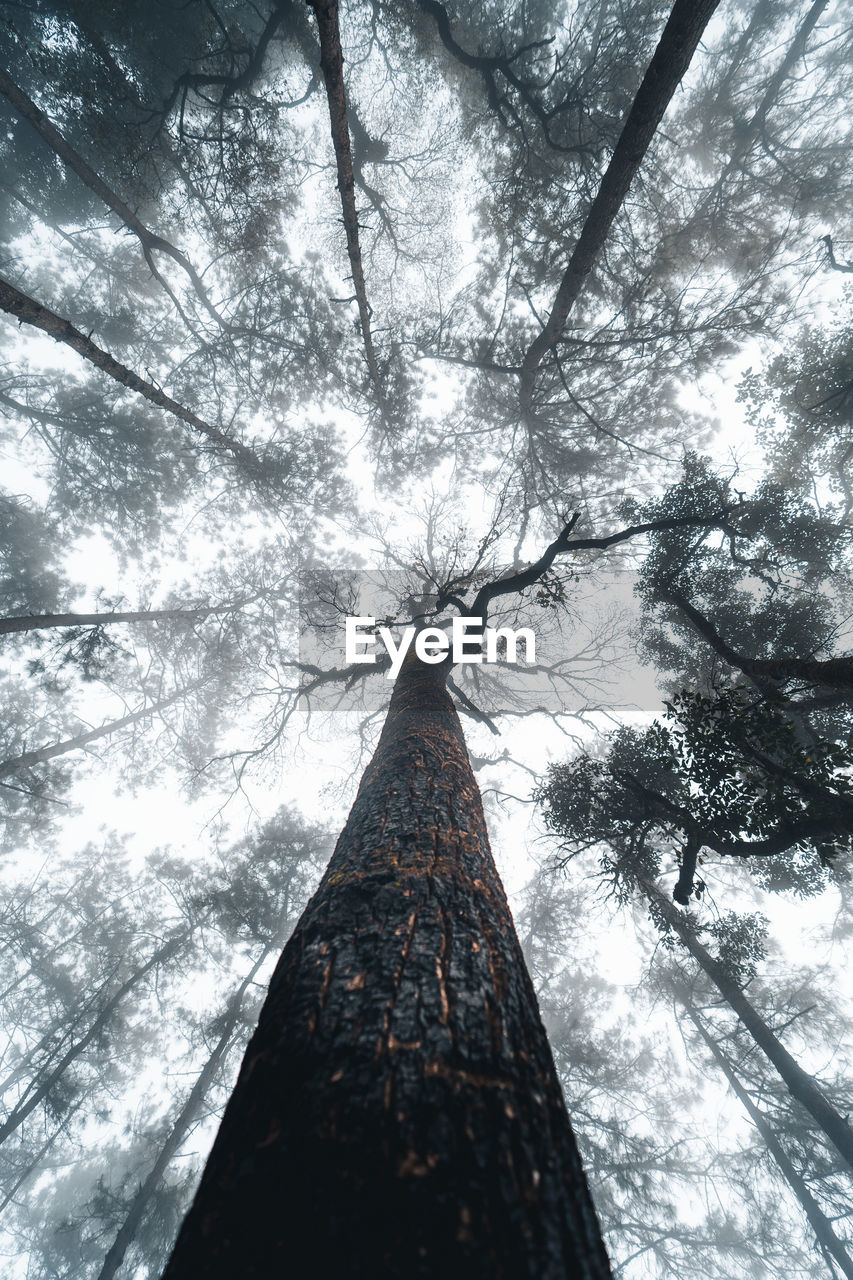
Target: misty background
<point>235,392</point>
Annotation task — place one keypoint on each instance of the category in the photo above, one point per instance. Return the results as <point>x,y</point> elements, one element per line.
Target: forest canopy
<point>525,314</point>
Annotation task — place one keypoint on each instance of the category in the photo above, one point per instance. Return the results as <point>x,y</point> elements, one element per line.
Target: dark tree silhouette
<point>398,1110</point>
<point>825,1235</point>
<point>475,257</point>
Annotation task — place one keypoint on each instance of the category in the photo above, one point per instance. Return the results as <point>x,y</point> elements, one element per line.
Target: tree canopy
<point>523,314</point>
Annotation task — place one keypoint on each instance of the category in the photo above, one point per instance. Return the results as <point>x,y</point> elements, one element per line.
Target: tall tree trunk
<point>398,1113</point>
<point>150,241</point>
<point>47,621</point>
<point>671,58</point>
<point>800,1084</point>
<point>27,311</point>
<point>332,66</point>
<point>29,1103</point>
<point>184,1120</point>
<point>40,754</point>
<point>818,1220</point>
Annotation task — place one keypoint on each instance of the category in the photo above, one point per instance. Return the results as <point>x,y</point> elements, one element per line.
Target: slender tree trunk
<point>150,241</point>
<point>35,1163</point>
<point>671,58</point>
<point>800,1084</point>
<point>183,1122</point>
<point>29,758</point>
<point>818,1220</point>
<point>49,1040</point>
<point>796,50</point>
<point>398,1113</point>
<point>27,311</point>
<point>45,621</point>
<point>332,66</point>
<point>29,1103</point>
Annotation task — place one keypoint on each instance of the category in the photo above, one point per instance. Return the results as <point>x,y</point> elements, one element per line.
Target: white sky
<point>313,778</point>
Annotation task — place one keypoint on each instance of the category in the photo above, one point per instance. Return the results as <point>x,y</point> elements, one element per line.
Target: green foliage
<point>590,802</point>
<point>727,772</point>
<point>772,540</point>
<point>748,772</point>
<point>741,943</point>
<point>31,580</point>
<point>802,403</point>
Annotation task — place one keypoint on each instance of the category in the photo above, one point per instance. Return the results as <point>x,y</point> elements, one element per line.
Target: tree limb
<point>28,758</point>
<point>835,673</point>
<point>233,84</point>
<point>831,258</point>
<point>687,874</point>
<point>472,709</point>
<point>818,1221</point>
<point>46,621</point>
<point>150,241</point>
<point>563,545</point>
<point>491,65</point>
<point>784,837</point>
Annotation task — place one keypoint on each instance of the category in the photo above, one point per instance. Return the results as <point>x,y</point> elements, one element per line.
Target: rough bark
<point>398,1113</point>
<point>29,1102</point>
<point>41,754</point>
<point>183,1122</point>
<point>803,1087</point>
<point>28,311</point>
<point>671,58</point>
<point>820,1224</point>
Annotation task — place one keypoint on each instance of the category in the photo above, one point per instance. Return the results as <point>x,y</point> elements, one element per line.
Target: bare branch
<point>563,544</point>
<point>233,84</point>
<point>471,708</point>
